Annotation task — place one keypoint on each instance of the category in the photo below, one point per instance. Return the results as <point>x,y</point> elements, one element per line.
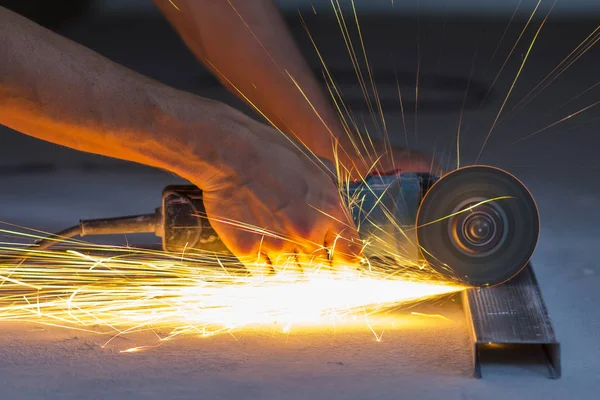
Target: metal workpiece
<point>512,316</point>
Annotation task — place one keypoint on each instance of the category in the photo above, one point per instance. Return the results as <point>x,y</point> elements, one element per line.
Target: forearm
<point>248,46</point>
<point>56,90</point>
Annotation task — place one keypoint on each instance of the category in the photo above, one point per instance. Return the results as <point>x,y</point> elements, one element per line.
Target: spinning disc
<point>479,225</point>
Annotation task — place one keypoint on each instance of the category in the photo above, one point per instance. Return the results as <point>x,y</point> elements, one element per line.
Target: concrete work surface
<point>49,188</point>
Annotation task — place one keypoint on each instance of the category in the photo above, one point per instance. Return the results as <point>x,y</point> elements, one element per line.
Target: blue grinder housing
<point>384,208</point>
<point>478,225</point>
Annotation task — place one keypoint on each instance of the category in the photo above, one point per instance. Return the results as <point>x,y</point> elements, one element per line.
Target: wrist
<point>209,142</point>
<point>183,135</point>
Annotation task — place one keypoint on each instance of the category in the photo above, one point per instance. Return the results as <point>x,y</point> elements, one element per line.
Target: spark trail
<point>133,290</point>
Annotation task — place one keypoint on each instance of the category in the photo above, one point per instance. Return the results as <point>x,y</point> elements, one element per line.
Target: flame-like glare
<point>135,290</point>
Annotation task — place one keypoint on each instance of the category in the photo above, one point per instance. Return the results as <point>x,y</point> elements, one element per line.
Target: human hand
<point>383,158</point>
<point>270,203</point>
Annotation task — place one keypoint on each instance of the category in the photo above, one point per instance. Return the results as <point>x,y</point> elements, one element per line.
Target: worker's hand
<point>400,158</point>
<point>271,203</point>
<point>382,158</point>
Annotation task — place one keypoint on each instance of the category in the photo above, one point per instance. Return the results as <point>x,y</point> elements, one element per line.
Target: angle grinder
<point>478,225</point>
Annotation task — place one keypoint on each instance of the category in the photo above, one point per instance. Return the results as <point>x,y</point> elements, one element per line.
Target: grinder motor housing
<point>478,224</point>
<point>382,207</point>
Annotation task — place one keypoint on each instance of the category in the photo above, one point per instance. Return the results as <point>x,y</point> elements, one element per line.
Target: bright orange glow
<point>136,290</point>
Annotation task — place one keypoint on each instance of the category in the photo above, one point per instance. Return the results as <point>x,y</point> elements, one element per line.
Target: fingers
<point>413,161</point>
<point>299,240</point>
<point>311,259</point>
<point>338,249</point>
<point>263,254</point>
<point>400,158</point>
<point>344,247</point>
<point>338,253</point>
<point>248,247</point>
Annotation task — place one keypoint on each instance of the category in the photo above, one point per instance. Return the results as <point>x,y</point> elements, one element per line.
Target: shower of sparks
<point>174,5</point>
<point>512,17</point>
<point>516,78</point>
<point>401,110</point>
<point>589,42</point>
<point>560,121</point>
<point>133,290</point>
<point>430,315</point>
<point>514,47</point>
<point>353,54</point>
<point>579,95</point>
<point>118,291</point>
<point>462,110</point>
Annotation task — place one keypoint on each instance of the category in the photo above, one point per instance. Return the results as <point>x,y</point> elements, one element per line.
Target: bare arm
<point>59,91</point>
<point>249,48</point>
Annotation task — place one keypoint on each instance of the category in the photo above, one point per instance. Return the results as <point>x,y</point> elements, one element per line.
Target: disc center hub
<point>479,230</point>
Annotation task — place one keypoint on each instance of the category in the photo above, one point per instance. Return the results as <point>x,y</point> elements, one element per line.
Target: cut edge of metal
<point>472,335</point>
<point>550,348</point>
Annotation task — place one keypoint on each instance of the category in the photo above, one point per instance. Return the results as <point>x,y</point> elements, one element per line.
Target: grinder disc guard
<point>478,224</point>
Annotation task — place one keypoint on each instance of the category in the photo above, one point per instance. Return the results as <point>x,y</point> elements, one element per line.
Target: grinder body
<point>383,207</point>
<point>477,225</point>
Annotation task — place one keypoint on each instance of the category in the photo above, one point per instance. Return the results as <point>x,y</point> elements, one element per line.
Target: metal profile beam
<point>511,315</point>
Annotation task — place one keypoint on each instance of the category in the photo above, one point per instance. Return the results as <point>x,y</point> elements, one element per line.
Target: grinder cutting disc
<point>479,225</point>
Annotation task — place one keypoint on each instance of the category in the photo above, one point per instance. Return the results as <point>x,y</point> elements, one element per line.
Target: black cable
<point>55,238</point>
<point>45,243</point>
<point>144,223</point>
